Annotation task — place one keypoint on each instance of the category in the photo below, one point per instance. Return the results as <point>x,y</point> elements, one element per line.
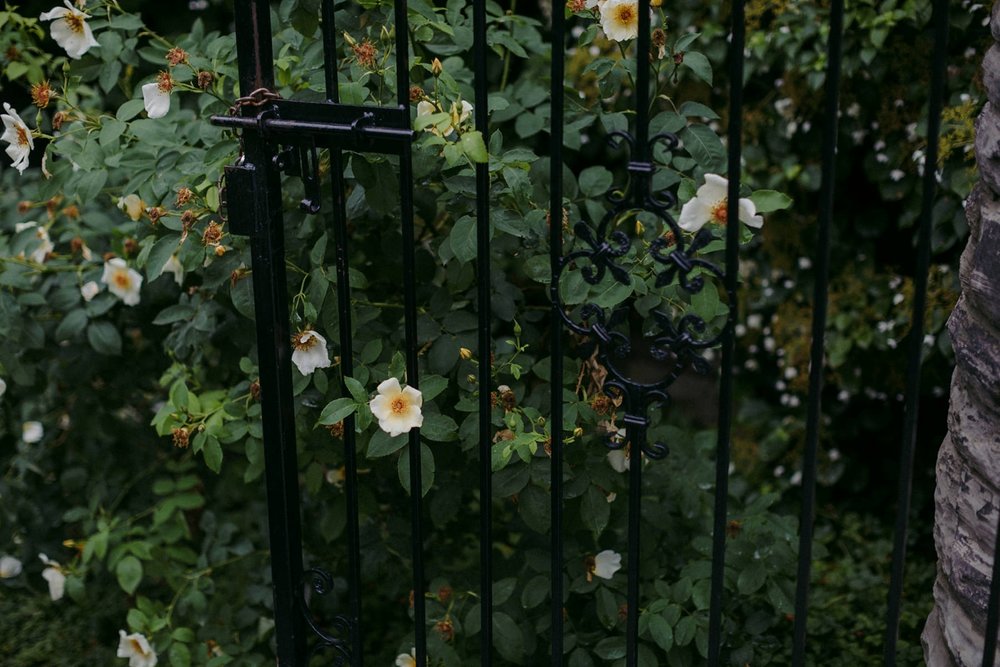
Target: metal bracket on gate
<point>303,162</point>
<point>243,179</point>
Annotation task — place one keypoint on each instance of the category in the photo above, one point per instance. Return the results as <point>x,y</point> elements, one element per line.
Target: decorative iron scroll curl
<point>321,583</point>
<point>678,340</point>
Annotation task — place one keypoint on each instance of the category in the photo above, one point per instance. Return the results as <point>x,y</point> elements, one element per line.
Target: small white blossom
<point>3,387</point>
<point>122,281</point>
<point>834,454</point>
<point>175,267</point>
<point>619,460</point>
<point>32,432</point>
<point>607,562</point>
<point>407,659</point>
<point>309,351</point>
<point>53,574</point>
<point>896,174</point>
<point>9,567</point>
<point>397,408</point>
<point>620,19</point>
<point>18,135</point>
<point>89,290</point>
<point>155,100</point>
<point>70,29</point>
<point>796,478</point>
<point>132,206</point>
<point>136,648</point>
<point>711,204</point>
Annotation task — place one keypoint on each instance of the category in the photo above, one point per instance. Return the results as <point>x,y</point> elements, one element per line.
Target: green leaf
<point>595,181</point>
<point>595,510</point>
<point>180,655</point>
<point>767,201</point>
<point>426,468</point>
<point>475,147</point>
<point>104,337</point>
<point>129,573</point>
<point>337,410</point>
<point>698,109</point>
<point>705,147</point>
<point>661,631</point>
<point>213,454</point>
<point>509,640</point>
<point>357,390</point>
<point>382,445</point>
<point>431,386</point>
<point>610,648</point>
<point>439,428</point>
<point>698,63</point>
<point>463,238</point>
<point>72,324</point>
<point>130,110</point>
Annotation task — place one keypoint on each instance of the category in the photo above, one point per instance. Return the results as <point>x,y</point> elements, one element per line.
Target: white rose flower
<point>132,206</point>
<point>32,432</point>
<point>54,575</point>
<point>89,290</point>
<point>618,459</point>
<point>70,29</point>
<point>136,648</point>
<point>175,267</point>
<point>9,567</point>
<point>3,387</point>
<point>122,281</point>
<point>425,108</point>
<point>711,204</point>
<point>620,19</point>
<point>397,408</point>
<point>607,562</point>
<point>156,98</point>
<point>18,135</point>
<point>407,659</point>
<point>309,351</point>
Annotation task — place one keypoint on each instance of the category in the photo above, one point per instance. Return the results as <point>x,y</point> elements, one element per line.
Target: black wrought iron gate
<point>280,135</point>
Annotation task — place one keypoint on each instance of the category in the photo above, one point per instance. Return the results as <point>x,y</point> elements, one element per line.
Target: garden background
<point>131,441</point>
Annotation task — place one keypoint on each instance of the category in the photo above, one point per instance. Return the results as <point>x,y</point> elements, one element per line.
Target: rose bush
<point>131,415</point>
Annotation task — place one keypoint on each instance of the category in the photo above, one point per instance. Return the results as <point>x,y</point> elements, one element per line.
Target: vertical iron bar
<point>485,347</point>
<point>722,448</point>
<point>346,343</point>
<point>255,61</point>
<point>820,294</point>
<point>635,437</point>
<point>641,173</point>
<point>556,346</point>
<point>328,24</point>
<point>350,437</point>
<point>410,329</point>
<point>993,608</point>
<point>939,20</point>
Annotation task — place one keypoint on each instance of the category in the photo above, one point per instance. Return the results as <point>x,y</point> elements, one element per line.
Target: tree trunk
<point>967,498</point>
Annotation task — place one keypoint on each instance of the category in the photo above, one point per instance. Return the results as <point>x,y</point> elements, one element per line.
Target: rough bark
<point>967,497</point>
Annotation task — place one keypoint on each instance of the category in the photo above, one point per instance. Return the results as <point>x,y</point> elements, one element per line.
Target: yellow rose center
<point>304,341</point>
<point>626,14</point>
<point>22,136</point>
<point>137,647</point>
<point>720,211</point>
<point>75,22</point>
<point>398,405</point>
<point>122,280</point>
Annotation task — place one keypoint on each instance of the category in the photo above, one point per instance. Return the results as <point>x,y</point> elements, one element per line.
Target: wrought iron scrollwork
<point>335,639</point>
<point>679,338</point>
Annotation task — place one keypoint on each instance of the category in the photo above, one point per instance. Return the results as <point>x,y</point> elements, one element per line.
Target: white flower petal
<point>310,353</point>
<point>10,567</point>
<point>136,648</point>
<point>425,108</point>
<point>607,563</point>
<point>3,387</point>
<point>57,582</point>
<point>620,19</point>
<point>18,135</point>
<point>618,459</point>
<point>715,188</point>
<point>748,214</point>
<point>694,215</point>
<point>32,432</point>
<point>156,101</point>
<point>390,386</point>
<point>175,267</point>
<point>89,290</point>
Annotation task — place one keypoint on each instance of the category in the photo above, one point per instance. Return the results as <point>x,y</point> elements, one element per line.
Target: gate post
<point>256,72</point>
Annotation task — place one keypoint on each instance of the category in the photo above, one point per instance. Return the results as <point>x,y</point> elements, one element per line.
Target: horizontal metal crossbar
<point>371,129</point>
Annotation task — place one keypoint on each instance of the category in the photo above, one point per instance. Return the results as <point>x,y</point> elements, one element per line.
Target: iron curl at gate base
<point>677,341</point>
<point>321,583</point>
